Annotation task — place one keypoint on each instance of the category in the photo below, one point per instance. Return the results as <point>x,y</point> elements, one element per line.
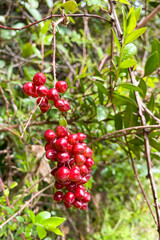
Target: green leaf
<point>155,144</point>
<point>137,12</point>
<point>10,70</point>
<point>102,113</point>
<point>129,50</point>
<point>123,1</point>
<point>143,86</point>
<point>118,121</point>
<point>122,100</point>
<point>101,87</point>
<point>116,41</point>
<point>27,50</point>
<point>51,223</point>
<point>2,19</point>
<point>34,12</point>
<point>156,47</point>
<point>130,118</point>
<point>20,219</point>
<point>70,6</point>
<point>58,232</point>
<point>62,121</point>
<point>31,215</point>
<point>131,87</point>
<point>151,102</point>
<point>131,23</point>
<point>41,232</point>
<point>28,230</point>
<point>134,35</point>
<point>37,52</point>
<point>49,3</point>
<point>13,185</point>
<point>6,192</point>
<point>40,217</point>
<point>128,63</point>
<point>124,21</point>
<point>151,63</point>
<point>8,209</point>
<point>101,97</point>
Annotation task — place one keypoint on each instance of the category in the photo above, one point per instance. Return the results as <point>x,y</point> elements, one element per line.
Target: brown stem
<point>54,53</point>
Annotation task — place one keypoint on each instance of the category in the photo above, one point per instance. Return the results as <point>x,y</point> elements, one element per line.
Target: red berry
<point>61,131</point>
<point>74,174</point>
<point>63,157</point>
<point>42,91</point>
<point>53,94</point>
<point>63,174</point>
<point>29,89</point>
<point>89,170</point>
<point>61,144</point>
<point>81,137</point>
<point>83,170</point>
<point>88,176</point>
<point>58,196</point>
<point>77,148</point>
<point>45,109</point>
<point>80,159</point>
<point>89,162</point>
<point>69,198</point>
<point>84,206</point>
<point>51,154</point>
<point>61,86</point>
<point>72,139</point>
<point>70,163</point>
<point>79,193</point>
<point>76,167</point>
<point>58,185</point>
<point>83,180</point>
<point>39,79</point>
<point>65,106</point>
<point>59,164</point>
<point>53,172</point>
<point>69,148</point>
<point>81,186</point>
<point>71,187</point>
<point>67,205</point>
<point>47,146</point>
<point>84,144</point>
<point>77,204</point>
<point>87,197</point>
<point>88,152</point>
<point>59,103</point>
<point>43,102</point>
<point>66,183</point>
<point>35,95</point>
<point>49,135</point>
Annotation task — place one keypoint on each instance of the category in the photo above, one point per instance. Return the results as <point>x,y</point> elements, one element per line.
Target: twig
<point>150,113</point>
<point>25,205</point>
<point>139,182</point>
<point>10,130</point>
<point>6,102</point>
<point>56,15</point>
<point>145,20</point>
<point>54,53</point>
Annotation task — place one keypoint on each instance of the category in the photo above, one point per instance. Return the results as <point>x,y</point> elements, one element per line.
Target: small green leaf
<point>131,23</point>
<point>31,215</point>
<point>41,232</point>
<point>8,209</point>
<point>156,47</point>
<point>128,63</point>
<point>143,86</point>
<point>101,87</point>
<point>40,217</point>
<point>131,87</point>
<point>118,121</point>
<point>116,41</point>
<point>123,1</point>
<point>58,231</point>
<point>102,113</point>
<point>151,63</point>
<point>155,144</point>
<point>13,185</point>
<point>28,230</point>
<point>6,192</point>
<point>62,121</point>
<point>129,50</point>
<point>122,100</point>
<point>137,12</point>
<point>20,219</point>
<point>70,6</point>
<point>124,21</point>
<point>51,223</point>
<point>151,102</point>
<point>134,35</point>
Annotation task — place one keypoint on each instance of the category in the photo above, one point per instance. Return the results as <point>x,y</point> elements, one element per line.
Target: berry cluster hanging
<point>37,89</point>
<point>74,163</point>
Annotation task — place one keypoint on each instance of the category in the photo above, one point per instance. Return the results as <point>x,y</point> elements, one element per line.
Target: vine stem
<point>54,53</point>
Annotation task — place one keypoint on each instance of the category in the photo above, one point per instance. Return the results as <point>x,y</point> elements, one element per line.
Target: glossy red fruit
<point>87,197</point>
<point>53,94</point>
<point>88,176</point>
<point>88,152</point>
<point>65,106</point>
<point>84,144</point>
<point>76,167</point>
<point>77,148</point>
<point>63,174</point>
<point>63,157</point>
<point>67,205</point>
<point>29,89</point>
<point>69,148</point>
<point>81,186</point>
<point>72,139</point>
<point>35,95</point>
<point>39,79</point>
<point>58,185</point>
<point>77,204</point>
<point>71,187</point>
<point>45,109</point>
<point>81,137</point>
<point>89,162</point>
<point>59,164</point>
<point>83,170</point>
<point>51,154</point>
<point>69,198</point>
<point>84,206</point>
<point>80,159</point>
<point>83,180</point>
<point>43,102</point>
<point>47,146</point>
<point>59,103</point>
<point>79,193</point>
<point>89,170</point>
<point>42,91</point>
<point>66,183</point>
<point>74,174</point>
<point>61,144</point>
<point>61,131</point>
<point>49,135</point>
<point>58,196</point>
<point>61,86</point>
<point>53,172</point>
<point>70,163</point>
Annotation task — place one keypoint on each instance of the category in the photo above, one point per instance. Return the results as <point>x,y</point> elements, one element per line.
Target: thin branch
<point>54,53</point>
<point>9,129</point>
<point>6,102</point>
<point>150,113</point>
<point>25,205</point>
<point>145,20</point>
<point>53,16</point>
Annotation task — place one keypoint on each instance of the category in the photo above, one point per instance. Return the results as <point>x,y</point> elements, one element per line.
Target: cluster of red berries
<point>37,89</point>
<point>74,163</point>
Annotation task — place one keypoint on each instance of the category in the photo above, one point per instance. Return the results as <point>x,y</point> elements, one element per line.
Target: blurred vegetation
<point>117,210</point>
